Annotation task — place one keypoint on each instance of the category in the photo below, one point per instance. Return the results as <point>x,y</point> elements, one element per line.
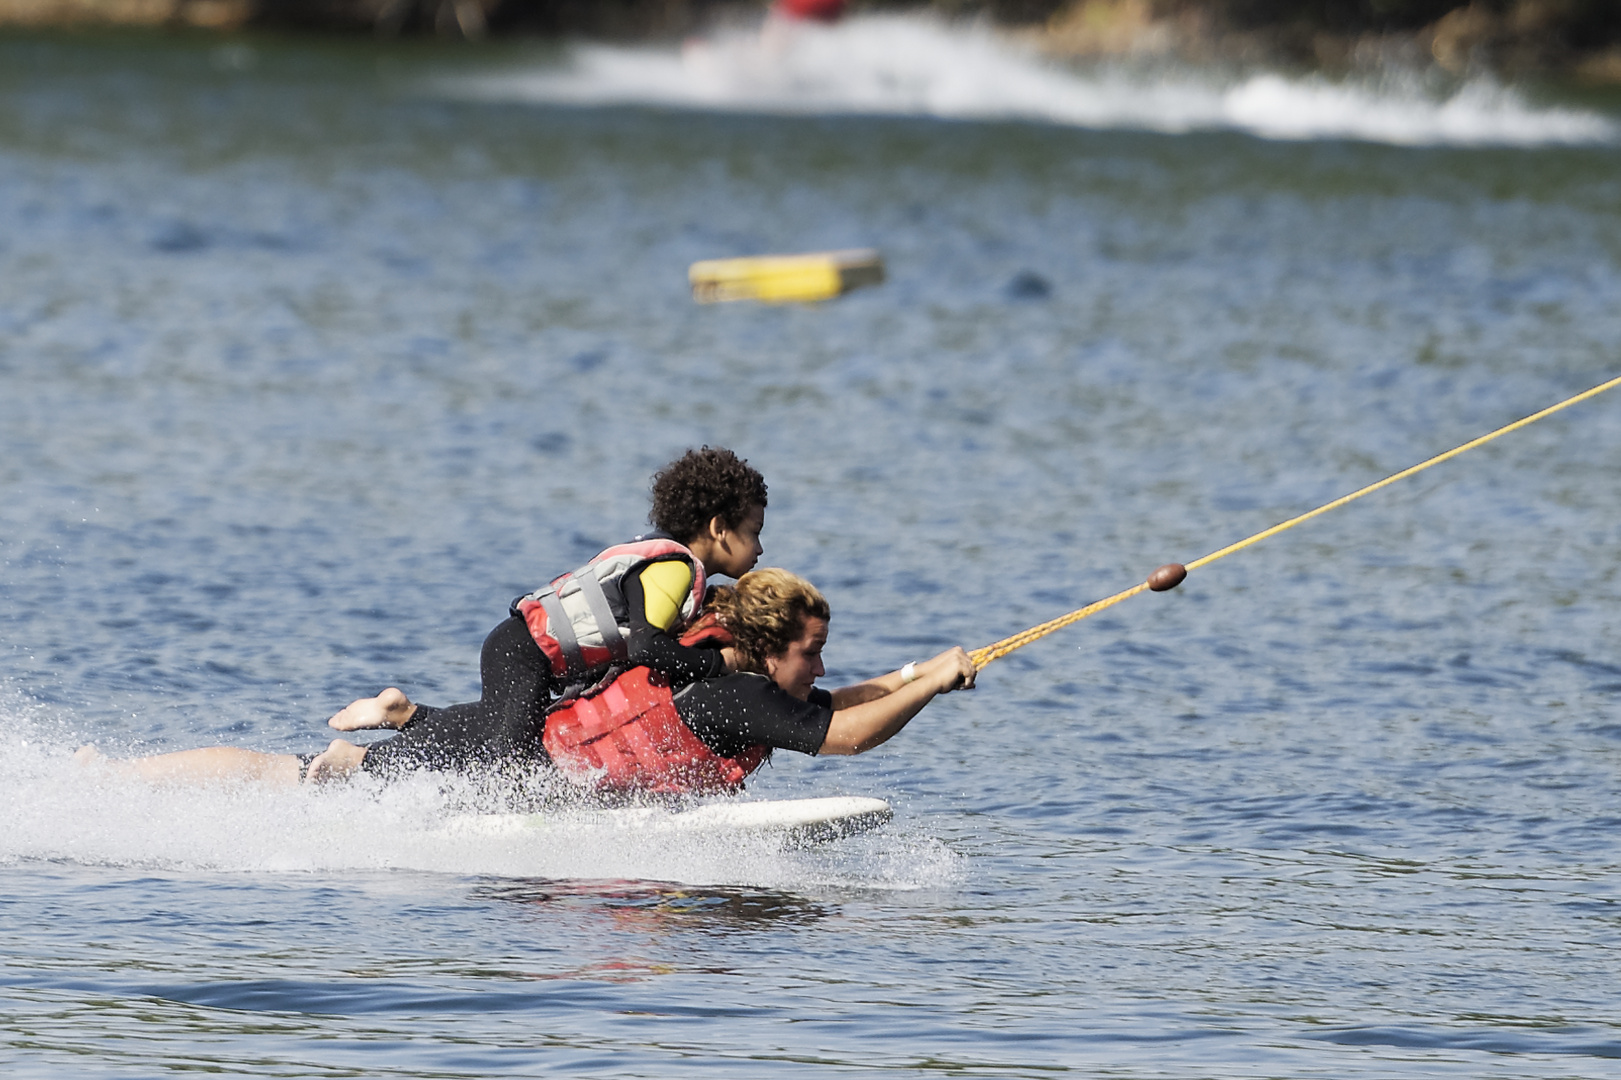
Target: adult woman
<point>640,734</point>
<point>777,624</point>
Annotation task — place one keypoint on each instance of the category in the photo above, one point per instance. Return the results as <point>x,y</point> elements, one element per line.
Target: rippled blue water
<point>309,366</point>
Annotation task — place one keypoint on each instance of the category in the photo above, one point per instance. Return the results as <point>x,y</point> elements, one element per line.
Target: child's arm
<point>653,597</point>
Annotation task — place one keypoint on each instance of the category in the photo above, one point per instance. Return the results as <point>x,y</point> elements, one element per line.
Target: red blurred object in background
<point>817,10</point>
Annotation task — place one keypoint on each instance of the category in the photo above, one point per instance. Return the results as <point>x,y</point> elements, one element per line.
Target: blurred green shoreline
<point>1576,39</point>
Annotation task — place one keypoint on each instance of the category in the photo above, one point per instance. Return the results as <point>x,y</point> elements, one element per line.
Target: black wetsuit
<point>503,725</point>
<point>517,686</point>
<point>734,712</point>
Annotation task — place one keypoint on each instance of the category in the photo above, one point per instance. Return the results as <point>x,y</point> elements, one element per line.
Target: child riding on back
<point>624,608</point>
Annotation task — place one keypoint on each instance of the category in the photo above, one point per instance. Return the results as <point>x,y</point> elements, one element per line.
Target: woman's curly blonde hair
<point>766,612</point>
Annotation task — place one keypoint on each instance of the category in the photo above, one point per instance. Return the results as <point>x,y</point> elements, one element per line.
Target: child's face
<point>737,548</point>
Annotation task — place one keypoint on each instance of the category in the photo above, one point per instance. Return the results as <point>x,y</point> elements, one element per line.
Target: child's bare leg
<point>336,762</point>
<point>208,763</point>
<point>390,709</point>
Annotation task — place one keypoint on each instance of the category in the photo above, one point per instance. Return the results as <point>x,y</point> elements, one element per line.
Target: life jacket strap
<point>597,601</point>
<point>561,628</point>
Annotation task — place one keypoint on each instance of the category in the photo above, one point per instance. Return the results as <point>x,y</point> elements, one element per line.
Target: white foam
<point>914,66</point>
<point>53,809</point>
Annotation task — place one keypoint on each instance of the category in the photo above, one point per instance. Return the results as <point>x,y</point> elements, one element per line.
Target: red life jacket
<point>629,736</point>
<point>581,620</point>
<point>816,10</point>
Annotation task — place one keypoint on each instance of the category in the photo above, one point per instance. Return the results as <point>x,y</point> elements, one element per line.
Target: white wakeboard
<point>797,821</point>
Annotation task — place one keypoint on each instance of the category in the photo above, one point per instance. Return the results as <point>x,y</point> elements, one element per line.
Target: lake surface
<point>314,355</point>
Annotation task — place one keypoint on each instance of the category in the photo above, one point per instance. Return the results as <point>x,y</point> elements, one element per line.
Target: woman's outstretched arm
<point>869,714</point>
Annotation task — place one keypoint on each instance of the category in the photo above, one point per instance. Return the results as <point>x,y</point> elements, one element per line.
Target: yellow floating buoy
<point>785,279</point>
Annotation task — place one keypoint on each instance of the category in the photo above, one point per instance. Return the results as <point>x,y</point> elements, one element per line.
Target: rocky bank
<point>1574,38</point>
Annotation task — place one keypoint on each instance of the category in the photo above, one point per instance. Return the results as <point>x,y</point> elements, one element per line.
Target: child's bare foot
<point>336,762</point>
<point>390,709</point>
<point>88,755</point>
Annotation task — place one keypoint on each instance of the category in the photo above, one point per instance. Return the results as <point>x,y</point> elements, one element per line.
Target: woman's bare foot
<point>390,709</point>
<point>336,762</point>
<point>88,755</point>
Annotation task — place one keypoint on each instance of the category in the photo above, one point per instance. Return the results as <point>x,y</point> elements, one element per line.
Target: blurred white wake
<point>911,66</point>
<point>54,810</point>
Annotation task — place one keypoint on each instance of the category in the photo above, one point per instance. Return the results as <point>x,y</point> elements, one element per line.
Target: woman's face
<point>800,664</point>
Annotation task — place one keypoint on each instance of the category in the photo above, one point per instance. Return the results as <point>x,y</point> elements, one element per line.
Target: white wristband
<point>908,673</point>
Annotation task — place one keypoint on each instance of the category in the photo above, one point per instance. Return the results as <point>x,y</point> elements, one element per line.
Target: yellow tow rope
<point>1168,577</point>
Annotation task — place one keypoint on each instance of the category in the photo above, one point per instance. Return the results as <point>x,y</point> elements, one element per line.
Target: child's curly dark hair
<point>700,485</point>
